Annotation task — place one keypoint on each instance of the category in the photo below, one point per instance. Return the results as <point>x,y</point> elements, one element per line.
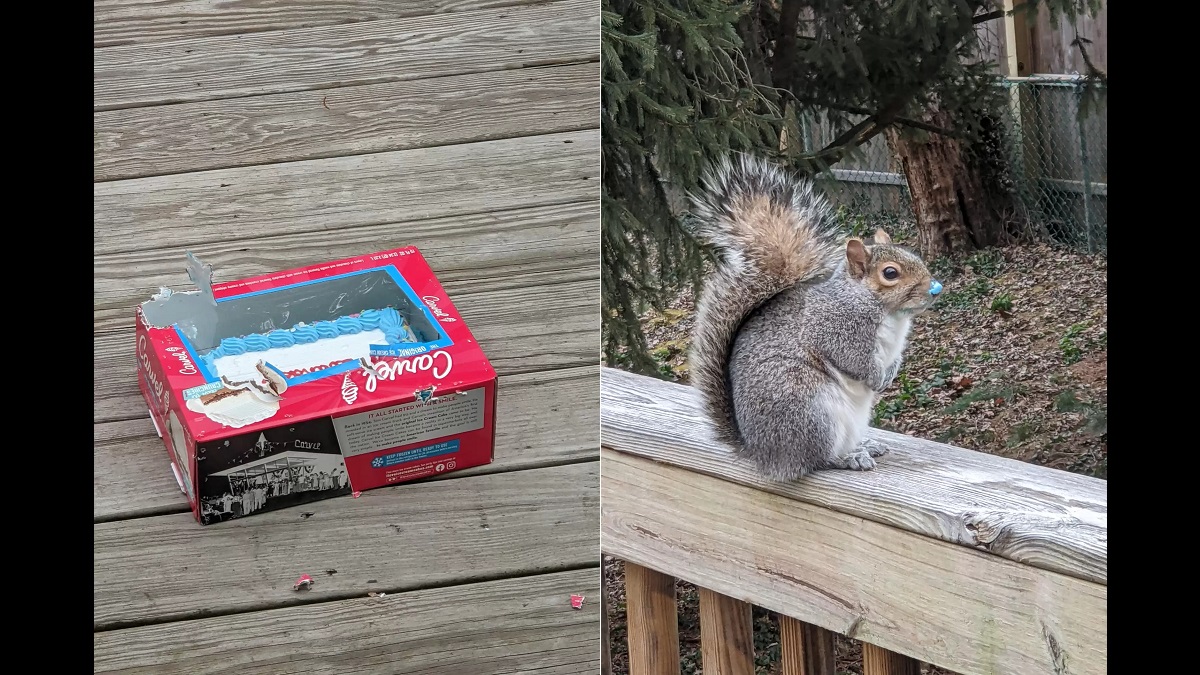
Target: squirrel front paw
<point>887,376</point>
<point>855,461</point>
<point>873,447</point>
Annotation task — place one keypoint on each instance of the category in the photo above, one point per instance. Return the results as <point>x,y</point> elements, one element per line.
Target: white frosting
<point>241,367</point>
<point>237,410</point>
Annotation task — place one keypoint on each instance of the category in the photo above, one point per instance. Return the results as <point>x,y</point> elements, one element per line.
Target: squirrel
<point>798,328</point>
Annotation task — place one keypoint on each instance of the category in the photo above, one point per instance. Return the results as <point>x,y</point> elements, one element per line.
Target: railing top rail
<point>1037,516</point>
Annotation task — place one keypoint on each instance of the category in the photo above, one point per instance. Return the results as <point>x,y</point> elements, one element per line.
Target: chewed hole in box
<point>297,333</point>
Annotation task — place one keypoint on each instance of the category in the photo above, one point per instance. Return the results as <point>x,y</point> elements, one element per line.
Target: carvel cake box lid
<point>350,336</point>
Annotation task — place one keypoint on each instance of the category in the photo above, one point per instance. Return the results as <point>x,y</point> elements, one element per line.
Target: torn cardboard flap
<point>205,321</point>
<point>201,275</point>
<point>194,312</point>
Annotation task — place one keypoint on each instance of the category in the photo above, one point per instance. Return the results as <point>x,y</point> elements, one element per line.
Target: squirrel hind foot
<point>855,461</point>
<point>873,447</point>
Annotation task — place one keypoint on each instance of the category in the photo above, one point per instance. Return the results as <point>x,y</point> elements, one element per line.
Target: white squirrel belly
<point>849,405</point>
<point>891,337</point>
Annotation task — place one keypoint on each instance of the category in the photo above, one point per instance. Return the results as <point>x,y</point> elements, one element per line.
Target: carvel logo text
<point>185,363</point>
<point>431,301</point>
<point>161,394</point>
<point>439,364</point>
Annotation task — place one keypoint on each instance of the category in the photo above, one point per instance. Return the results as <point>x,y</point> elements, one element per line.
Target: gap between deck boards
<point>545,63</point>
<point>103,314</point>
<point>344,16</point>
<point>457,282</point>
<point>481,41</point>
<point>302,196</point>
<point>483,471</point>
<point>358,119</point>
<point>334,155</point>
<point>315,600</point>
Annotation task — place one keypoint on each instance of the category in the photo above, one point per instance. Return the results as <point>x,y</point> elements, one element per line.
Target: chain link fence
<point>1056,152</point>
<point>1058,157</point>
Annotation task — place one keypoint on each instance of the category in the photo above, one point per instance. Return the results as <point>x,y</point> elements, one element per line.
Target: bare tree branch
<point>998,14</point>
<point>886,116</point>
<point>1092,70</point>
<point>902,121</point>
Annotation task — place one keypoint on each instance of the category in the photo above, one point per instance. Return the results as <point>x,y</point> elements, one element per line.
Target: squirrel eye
<point>890,273</point>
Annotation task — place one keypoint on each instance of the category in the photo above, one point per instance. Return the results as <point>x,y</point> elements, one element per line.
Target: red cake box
<point>320,381</point>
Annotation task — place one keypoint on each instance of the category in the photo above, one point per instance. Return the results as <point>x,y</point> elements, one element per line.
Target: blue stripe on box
<point>204,371</point>
<point>387,269</point>
<point>197,392</point>
<point>443,448</point>
<point>402,350</point>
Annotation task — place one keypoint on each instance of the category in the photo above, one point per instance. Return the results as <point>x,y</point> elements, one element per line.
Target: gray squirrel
<point>797,329</point>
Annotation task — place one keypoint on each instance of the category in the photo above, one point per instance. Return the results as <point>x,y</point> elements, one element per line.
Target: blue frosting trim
<point>348,325</point>
<point>305,334</point>
<point>394,326</point>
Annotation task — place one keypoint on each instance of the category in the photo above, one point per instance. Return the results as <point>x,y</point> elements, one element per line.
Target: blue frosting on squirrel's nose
<point>935,287</point>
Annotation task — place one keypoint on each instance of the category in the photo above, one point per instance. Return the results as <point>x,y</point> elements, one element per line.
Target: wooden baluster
<point>605,648</point>
<point>653,621</point>
<point>879,661</point>
<point>806,649</point>
<point>726,635</point>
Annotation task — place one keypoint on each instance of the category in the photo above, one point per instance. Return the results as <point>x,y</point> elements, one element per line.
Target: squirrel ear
<point>882,237</point>
<point>856,258</point>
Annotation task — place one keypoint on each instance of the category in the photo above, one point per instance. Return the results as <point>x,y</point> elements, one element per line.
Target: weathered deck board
<point>169,568</point>
<point>118,22</point>
<point>959,608</point>
<point>469,254</point>
<point>388,50</point>
<point>366,119</point>
<point>542,419</point>
<point>524,329</point>
<point>1050,519</point>
<point>522,625</point>
<point>328,194</point>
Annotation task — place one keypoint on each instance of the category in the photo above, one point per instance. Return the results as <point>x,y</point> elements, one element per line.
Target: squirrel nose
<point>935,287</point>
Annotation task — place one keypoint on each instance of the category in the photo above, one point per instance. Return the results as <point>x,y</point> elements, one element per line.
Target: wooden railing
<point>975,563</point>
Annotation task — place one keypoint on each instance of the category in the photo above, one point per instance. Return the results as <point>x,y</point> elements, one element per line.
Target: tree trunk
<point>954,210</point>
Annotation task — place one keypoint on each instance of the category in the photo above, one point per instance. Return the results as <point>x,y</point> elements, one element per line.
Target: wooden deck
<point>268,134</point>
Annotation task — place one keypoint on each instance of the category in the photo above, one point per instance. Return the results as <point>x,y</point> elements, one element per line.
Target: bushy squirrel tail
<point>771,231</point>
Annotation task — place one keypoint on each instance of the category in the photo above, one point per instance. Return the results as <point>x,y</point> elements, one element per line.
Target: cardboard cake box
<point>321,381</point>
